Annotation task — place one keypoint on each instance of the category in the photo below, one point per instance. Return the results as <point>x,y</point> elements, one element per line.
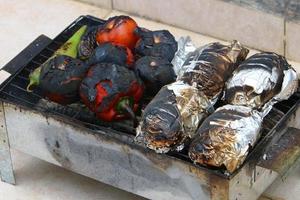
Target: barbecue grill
<point>71,137</point>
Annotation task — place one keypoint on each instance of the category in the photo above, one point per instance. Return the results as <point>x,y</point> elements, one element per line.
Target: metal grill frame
<point>174,176</point>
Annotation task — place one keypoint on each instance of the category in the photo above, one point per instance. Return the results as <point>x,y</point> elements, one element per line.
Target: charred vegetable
<point>88,42</point>
<point>156,43</point>
<point>226,136</point>
<point>155,73</point>
<point>210,69</point>
<point>59,76</point>
<point>109,53</point>
<point>171,117</point>
<point>256,80</point>
<point>175,113</point>
<point>119,30</point>
<point>111,91</point>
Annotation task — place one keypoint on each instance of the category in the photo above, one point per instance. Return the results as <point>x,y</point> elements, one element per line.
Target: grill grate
<point>14,91</point>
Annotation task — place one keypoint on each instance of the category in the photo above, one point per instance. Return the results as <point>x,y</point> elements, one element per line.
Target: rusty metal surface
<point>277,158</point>
<point>115,160</point>
<point>6,168</point>
<point>250,182</point>
<point>283,154</point>
<point>106,159</point>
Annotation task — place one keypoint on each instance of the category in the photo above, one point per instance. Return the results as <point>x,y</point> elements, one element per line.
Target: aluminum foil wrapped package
<point>262,78</point>
<point>225,137</point>
<point>175,113</point>
<point>185,48</point>
<point>171,117</point>
<point>209,67</point>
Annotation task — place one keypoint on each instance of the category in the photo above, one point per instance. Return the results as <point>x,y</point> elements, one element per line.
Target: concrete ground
<point>21,22</point>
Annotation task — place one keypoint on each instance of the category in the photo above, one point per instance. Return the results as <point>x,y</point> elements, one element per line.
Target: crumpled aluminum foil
<point>175,113</point>
<point>193,106</point>
<point>209,67</point>
<point>172,116</point>
<point>288,88</point>
<point>185,48</point>
<point>226,136</point>
<point>261,81</point>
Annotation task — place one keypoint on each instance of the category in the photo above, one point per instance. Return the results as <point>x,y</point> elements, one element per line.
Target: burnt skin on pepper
<point>109,53</point>
<point>155,73</point>
<point>60,75</point>
<point>88,42</point>
<point>60,79</point>
<point>111,91</point>
<point>120,30</point>
<point>156,43</point>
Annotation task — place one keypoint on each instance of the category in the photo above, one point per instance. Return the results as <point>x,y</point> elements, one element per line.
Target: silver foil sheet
<point>176,112</point>
<point>226,136</point>
<point>260,81</point>
<point>289,87</point>
<point>210,66</point>
<point>185,48</point>
<point>172,116</point>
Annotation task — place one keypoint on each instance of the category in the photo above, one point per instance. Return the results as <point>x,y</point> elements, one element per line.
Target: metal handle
<point>24,57</point>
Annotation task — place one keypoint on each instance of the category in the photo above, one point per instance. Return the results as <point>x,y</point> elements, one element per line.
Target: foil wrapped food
<point>185,48</point>
<point>175,113</point>
<point>209,67</point>
<point>226,136</point>
<point>171,117</point>
<point>259,79</point>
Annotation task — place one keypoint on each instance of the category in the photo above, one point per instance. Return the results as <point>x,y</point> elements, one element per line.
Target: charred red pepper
<point>109,53</point>
<point>156,43</point>
<point>120,30</point>
<point>60,78</point>
<point>111,91</point>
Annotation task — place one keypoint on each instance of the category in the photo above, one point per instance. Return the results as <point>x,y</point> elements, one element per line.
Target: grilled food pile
<point>108,67</point>
<point>208,101</point>
<point>174,114</point>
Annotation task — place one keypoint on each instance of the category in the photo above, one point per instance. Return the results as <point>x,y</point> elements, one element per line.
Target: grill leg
<point>6,167</point>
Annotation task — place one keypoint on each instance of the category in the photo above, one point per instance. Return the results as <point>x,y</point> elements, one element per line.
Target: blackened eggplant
<point>156,43</point>
<point>109,53</point>
<point>210,69</point>
<point>155,73</point>
<point>88,42</point>
<point>60,78</point>
<point>174,114</point>
<point>256,80</point>
<point>171,117</point>
<point>226,136</point>
<point>111,91</point>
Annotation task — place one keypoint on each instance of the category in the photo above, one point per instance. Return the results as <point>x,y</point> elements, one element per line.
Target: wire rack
<point>14,91</point>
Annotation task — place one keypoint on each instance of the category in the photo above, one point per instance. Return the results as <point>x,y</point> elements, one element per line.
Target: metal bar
<point>24,90</point>
<point>23,78</point>
<point>37,63</point>
<point>43,56</point>
<point>284,105</point>
<point>6,167</point>
<point>18,98</point>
